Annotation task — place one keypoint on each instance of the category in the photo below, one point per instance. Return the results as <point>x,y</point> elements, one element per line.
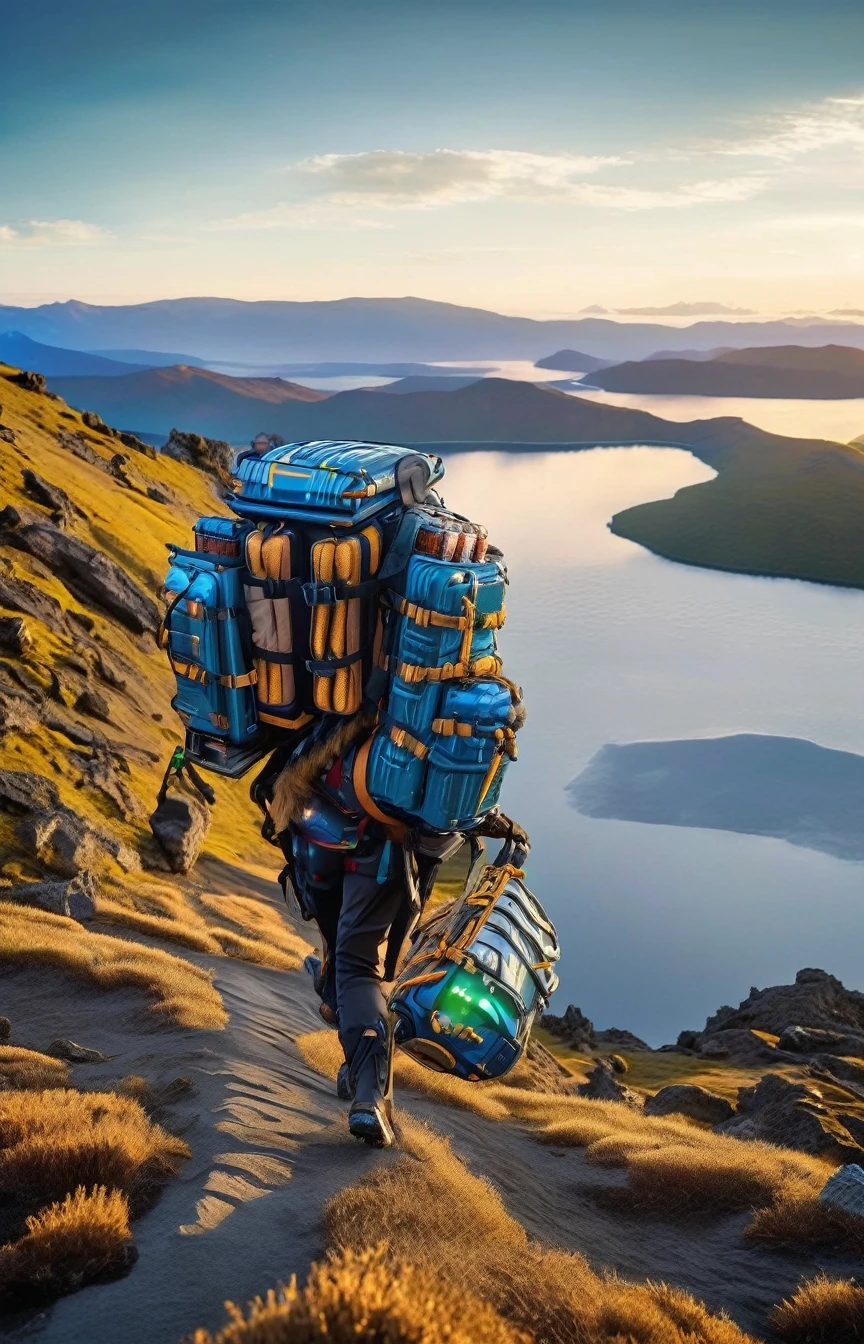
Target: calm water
<point>661,925</point>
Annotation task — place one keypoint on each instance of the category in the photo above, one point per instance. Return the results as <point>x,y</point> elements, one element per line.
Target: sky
<point>533,158</point>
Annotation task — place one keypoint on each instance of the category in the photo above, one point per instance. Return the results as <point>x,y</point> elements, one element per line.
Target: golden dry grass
<point>791,1223</point>
<point>184,994</point>
<point>20,1068</point>
<point>52,1142</point>
<point>823,1311</point>
<point>366,1297</point>
<point>81,1238</point>
<point>435,1214</point>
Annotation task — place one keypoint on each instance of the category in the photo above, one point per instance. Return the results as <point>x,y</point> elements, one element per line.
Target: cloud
<point>309,217</point>
<point>53,233</point>
<point>833,123</point>
<point>671,198</point>
<point>399,179</point>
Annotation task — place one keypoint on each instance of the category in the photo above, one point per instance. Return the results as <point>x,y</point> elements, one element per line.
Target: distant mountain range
<point>24,353</point>
<point>373,330</point>
<point>829,371</point>
<point>571,361</point>
<point>707,309</point>
<point>156,400</point>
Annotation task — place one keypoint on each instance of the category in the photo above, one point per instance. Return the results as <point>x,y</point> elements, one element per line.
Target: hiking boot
<point>369,1082</point>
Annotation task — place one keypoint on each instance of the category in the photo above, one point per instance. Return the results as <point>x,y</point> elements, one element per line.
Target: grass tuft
<point>20,1068</point>
<point>791,1223</point>
<point>823,1311</point>
<point>84,1237</point>
<point>365,1297</point>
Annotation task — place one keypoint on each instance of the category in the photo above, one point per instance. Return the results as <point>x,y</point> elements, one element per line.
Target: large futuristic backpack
<point>477,974</point>
<point>342,584</point>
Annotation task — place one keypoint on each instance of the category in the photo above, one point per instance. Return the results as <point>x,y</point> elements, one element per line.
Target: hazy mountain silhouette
<point>24,353</point>
<point>783,371</point>
<point>707,308</point>
<point>378,329</point>
<point>571,361</point>
<point>157,400</point>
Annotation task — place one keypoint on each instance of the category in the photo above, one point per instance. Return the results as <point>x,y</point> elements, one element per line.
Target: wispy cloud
<point>832,123</point>
<point>312,216</point>
<point>53,233</point>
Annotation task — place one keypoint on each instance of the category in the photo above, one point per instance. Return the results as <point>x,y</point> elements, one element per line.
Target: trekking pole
<point>177,767</point>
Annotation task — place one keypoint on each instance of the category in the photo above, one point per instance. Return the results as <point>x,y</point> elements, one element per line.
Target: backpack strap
<point>318,594</point>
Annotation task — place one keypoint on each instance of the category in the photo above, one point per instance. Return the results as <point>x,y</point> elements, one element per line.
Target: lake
<point>661,924</point>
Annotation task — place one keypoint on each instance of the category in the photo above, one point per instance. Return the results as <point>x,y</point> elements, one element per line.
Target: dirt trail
<point>270,1146</point>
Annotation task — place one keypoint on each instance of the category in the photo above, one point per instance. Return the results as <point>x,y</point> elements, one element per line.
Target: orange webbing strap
<point>236,683</point>
<point>397,830</point>
<point>425,616</point>
<point>402,738</point>
<point>412,673</point>
<point>192,671</point>
<point>426,979</point>
<point>451,728</point>
<point>299,722</point>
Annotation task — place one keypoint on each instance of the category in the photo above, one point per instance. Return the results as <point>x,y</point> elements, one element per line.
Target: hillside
<point>157,400</point>
<point>829,371</point>
<point>53,361</point>
<point>360,329</point>
<point>158,1038</point>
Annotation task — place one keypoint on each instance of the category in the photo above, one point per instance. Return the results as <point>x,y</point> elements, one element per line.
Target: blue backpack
<point>342,584</point>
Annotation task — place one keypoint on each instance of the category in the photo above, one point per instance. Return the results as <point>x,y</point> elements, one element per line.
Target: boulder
<point>137,445</point>
<point>103,771</point>
<point>95,422</point>
<point>792,1115</point>
<point>51,497</point>
<point>75,898</point>
<point>90,575</point>
<point>840,1068</point>
<point>95,705</point>
<point>845,1190</point>
<point>19,595</point>
<point>7,435</point>
<point>109,673</point>
<point>211,455</point>
<point>809,1040</point>
<point>61,841</point>
<point>73,443</point>
<point>697,1103</point>
<point>816,999</point>
<point>24,791</point>
<point>744,1047</point>
<point>31,382</point>
<point>603,1085</point>
<point>5,1029</point>
<point>619,1039</point>
<point>74,1053</point>
<point>540,1071</point>
<point>15,636</point>
<point>180,825</point>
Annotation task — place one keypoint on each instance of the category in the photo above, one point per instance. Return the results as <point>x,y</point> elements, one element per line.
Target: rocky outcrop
<point>31,382</point>
<point>19,595</point>
<point>540,1071</point>
<point>5,1030</point>
<point>64,843</point>
<point>792,1115</point>
<point>50,497</point>
<point>180,825</point>
<point>73,443</point>
<point>89,575</point>
<point>604,1084</point>
<point>90,702</point>
<point>104,770</point>
<point>75,898</point>
<point>810,1040</point>
<point>580,1033</point>
<point>211,455</point>
<point>17,713</point>
<point>696,1103</point>
<point>23,791</point>
<point>109,673</point>
<point>845,1190</point>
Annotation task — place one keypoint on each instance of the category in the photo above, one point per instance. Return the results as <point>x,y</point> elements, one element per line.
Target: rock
<point>619,1039</point>
<point>840,1068</point>
<point>5,1029</point>
<point>180,825</point>
<point>792,1115</point>
<point>109,673</point>
<point>73,443</point>
<point>100,771</point>
<point>137,445</point>
<point>603,1085</point>
<point>122,470</point>
<point>81,618</point>
<point>63,842</point>
<point>90,575</point>
<point>212,455</point>
<point>7,435</point>
<point>31,382</point>
<point>51,496</point>
<point>573,1026</point>
<point>17,714</point>
<point>19,595</point>
<point>854,1124</point>
<point>9,516</point>
<point>816,999</point>
<point>94,421</point>
<point>158,495</point>
<point>845,1190</point>
<point>76,732</point>
<point>75,1054</point>
<point>742,1046</point>
<point>687,1040</point>
<point>540,1071</point>
<point>15,637</point>
<point>23,791</point>
<point>95,705</point>
<point>809,1040</point>
<point>697,1103</point>
<point>75,898</point>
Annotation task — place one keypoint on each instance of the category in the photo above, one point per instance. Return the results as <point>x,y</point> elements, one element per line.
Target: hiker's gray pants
<point>368,910</point>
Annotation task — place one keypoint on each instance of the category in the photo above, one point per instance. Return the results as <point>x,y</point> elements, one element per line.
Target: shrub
<point>806,1221</point>
<point>823,1311</point>
<point>68,1244</point>
<point>365,1298</point>
<point>20,1068</point>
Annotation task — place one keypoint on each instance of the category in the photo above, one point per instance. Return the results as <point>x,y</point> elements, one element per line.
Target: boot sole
<point>372,1126</point>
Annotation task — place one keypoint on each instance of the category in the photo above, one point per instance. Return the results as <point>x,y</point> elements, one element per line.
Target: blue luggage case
<point>334,483</point>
